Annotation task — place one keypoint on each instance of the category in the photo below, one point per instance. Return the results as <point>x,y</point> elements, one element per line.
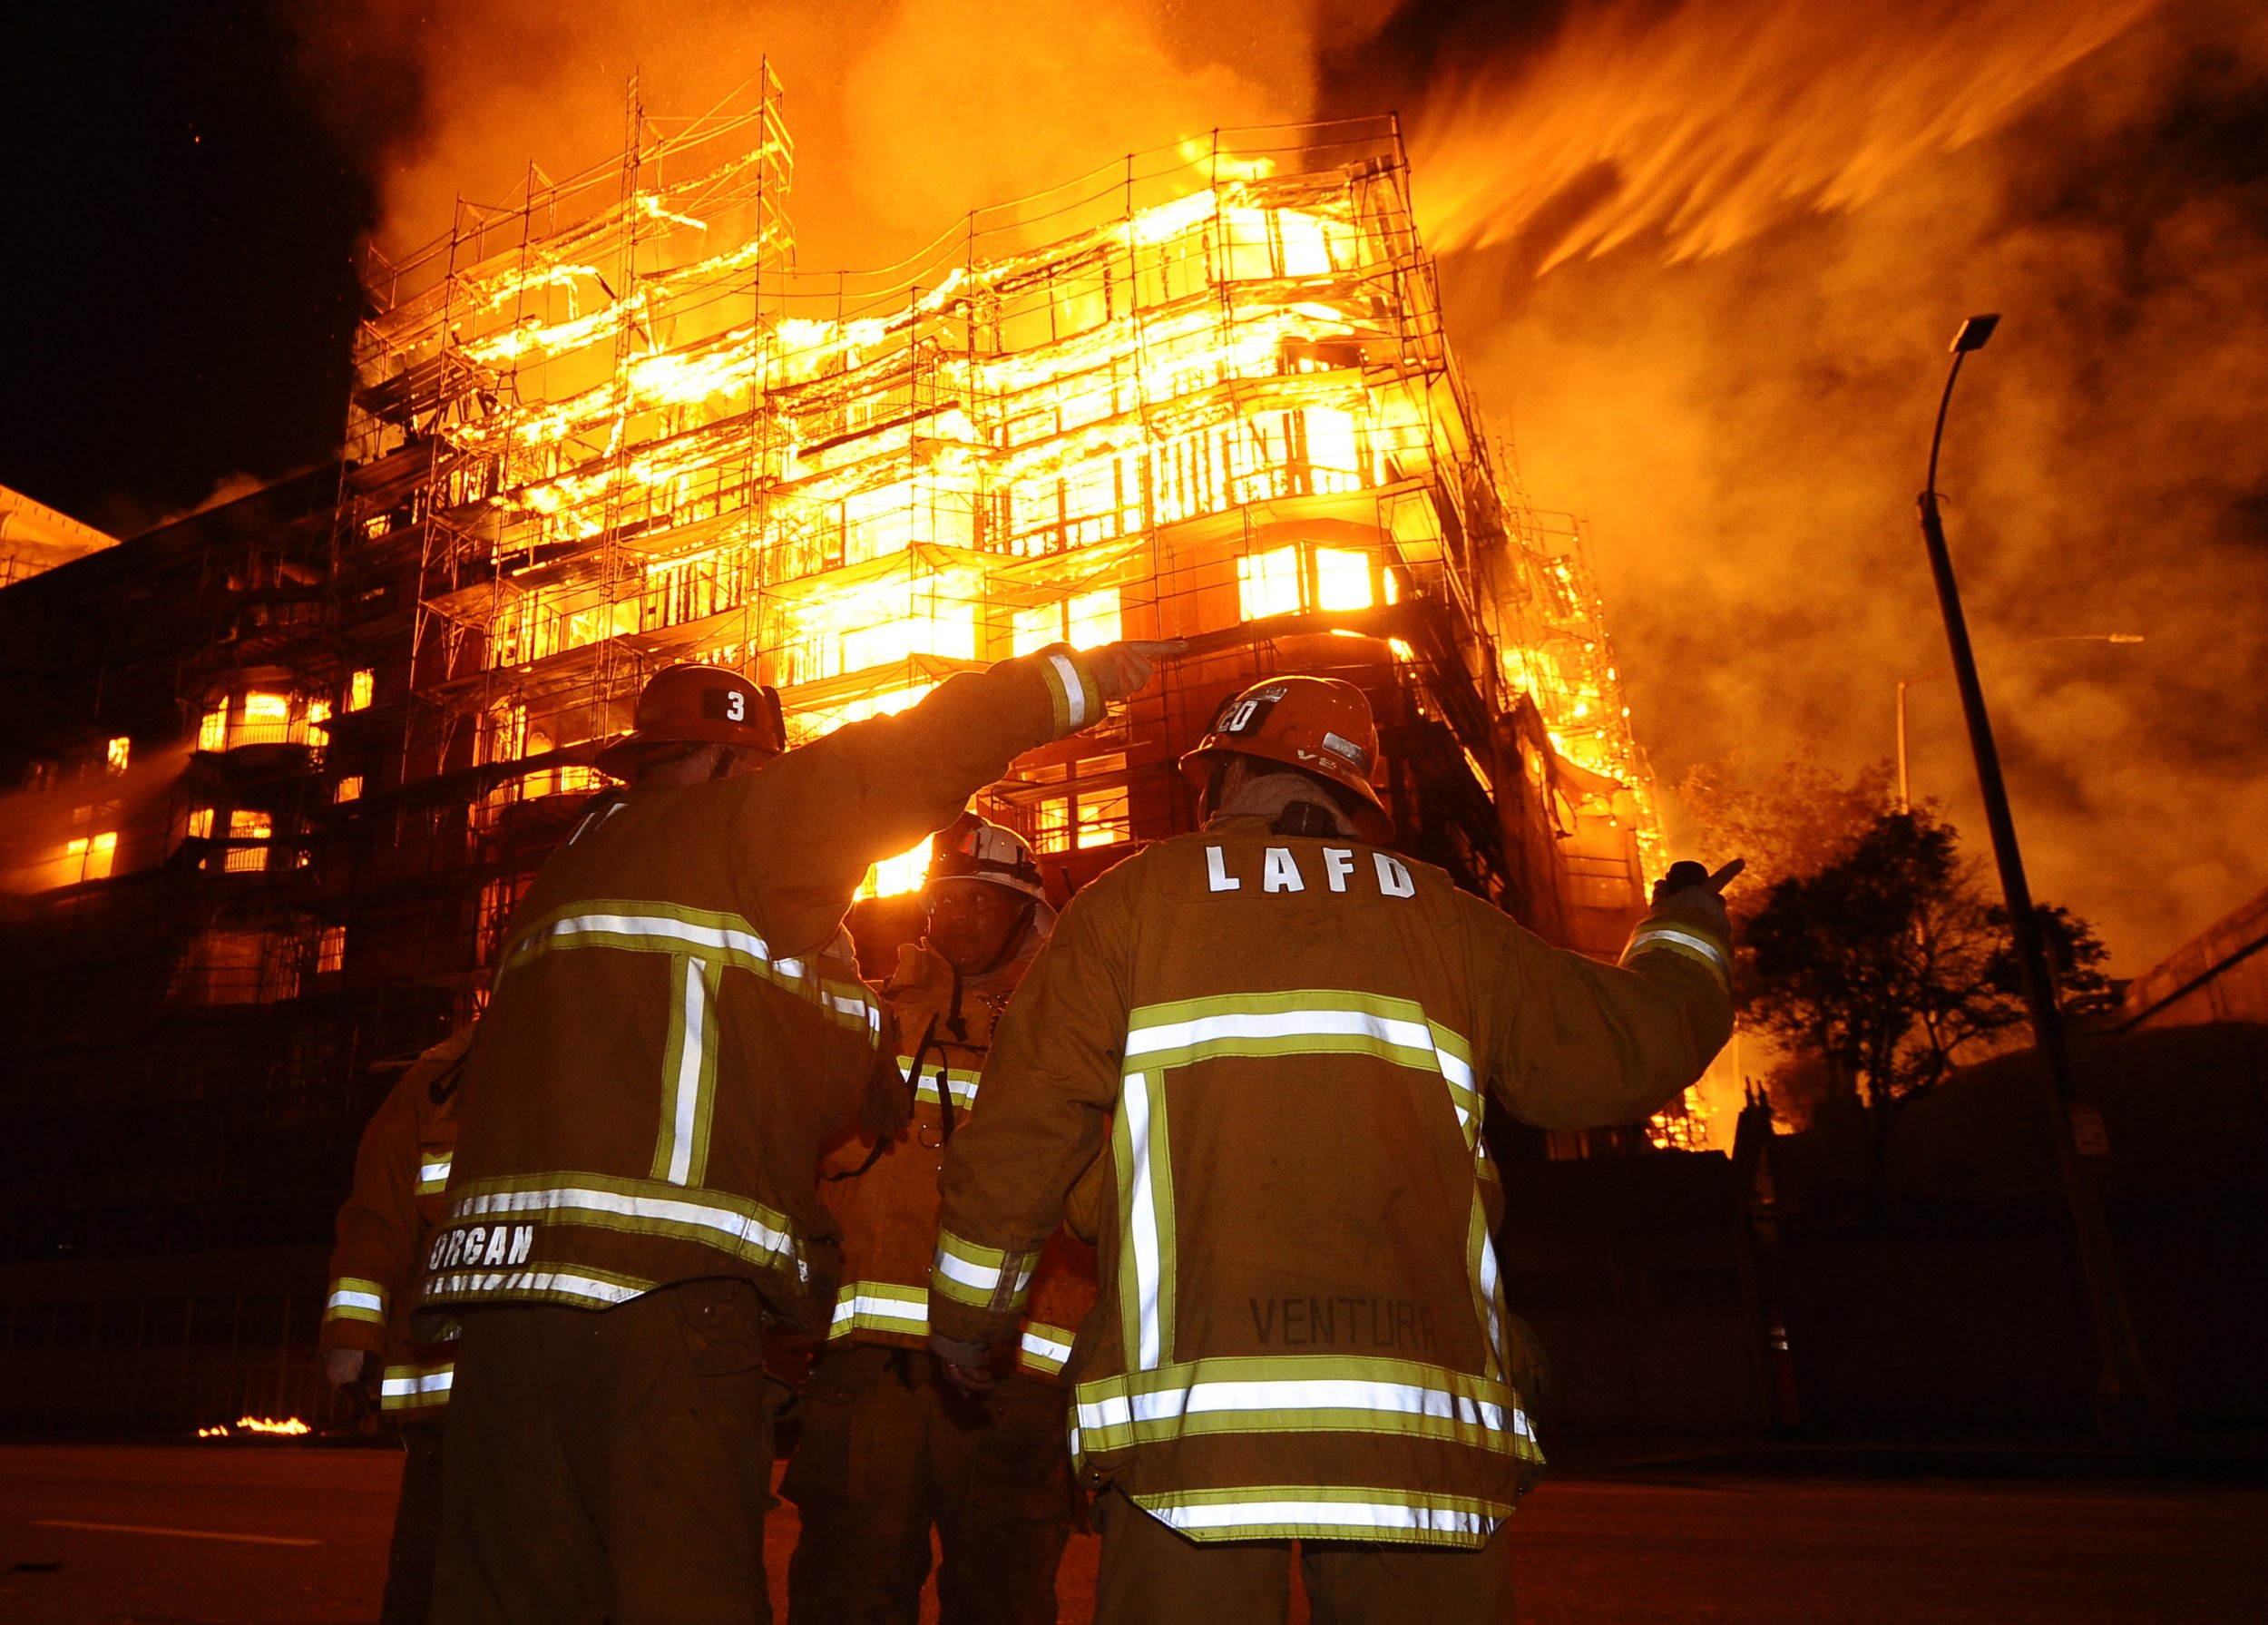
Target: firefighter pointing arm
<point>1281,1036</point>
<point>676,1028</point>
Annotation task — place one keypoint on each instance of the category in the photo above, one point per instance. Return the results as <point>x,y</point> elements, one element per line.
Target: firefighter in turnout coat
<point>677,1030</point>
<point>1285,1035</point>
<point>401,1170</point>
<point>889,1447</point>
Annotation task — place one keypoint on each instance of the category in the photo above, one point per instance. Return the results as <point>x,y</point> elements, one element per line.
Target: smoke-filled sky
<point>1702,260</point>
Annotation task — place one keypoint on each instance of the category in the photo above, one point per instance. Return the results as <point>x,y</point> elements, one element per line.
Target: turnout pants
<point>889,1449</point>
<point>1152,1574</point>
<point>416,1526</point>
<point>608,1465</point>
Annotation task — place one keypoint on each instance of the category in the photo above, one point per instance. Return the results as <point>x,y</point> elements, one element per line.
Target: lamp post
<point>1905,800</point>
<point>2129,1407</point>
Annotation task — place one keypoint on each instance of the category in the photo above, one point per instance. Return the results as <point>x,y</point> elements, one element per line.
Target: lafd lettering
<point>1280,871</point>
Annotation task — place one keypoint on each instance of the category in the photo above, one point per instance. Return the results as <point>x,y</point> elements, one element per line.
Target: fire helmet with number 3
<point>974,848</point>
<point>697,705</point>
<point>1319,724</point>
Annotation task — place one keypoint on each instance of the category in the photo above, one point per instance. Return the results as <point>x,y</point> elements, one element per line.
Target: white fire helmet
<point>973,848</point>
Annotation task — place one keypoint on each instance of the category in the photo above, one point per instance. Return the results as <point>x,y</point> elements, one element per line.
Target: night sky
<point>179,286</point>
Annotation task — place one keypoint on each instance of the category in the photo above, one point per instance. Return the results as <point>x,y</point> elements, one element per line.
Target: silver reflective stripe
<point>433,1174</point>
<point>685,1120</point>
<point>431,1382</point>
<point>888,1308</point>
<point>569,1199</point>
<point>1148,1263</point>
<point>1687,942</point>
<point>1074,692</point>
<point>1046,1349</point>
<point>663,928</point>
<point>1283,1395</point>
<point>1333,1514</point>
<point>532,1283</point>
<point>344,1299</point>
<point>1283,1023</point>
<point>983,1277</point>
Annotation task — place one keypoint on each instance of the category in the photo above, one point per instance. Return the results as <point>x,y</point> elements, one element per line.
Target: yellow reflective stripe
<point>962,1080</point>
<point>408,1387</point>
<point>1146,1220</point>
<point>1074,700</point>
<point>1327,1511</point>
<point>354,1298</point>
<point>1044,1348</point>
<point>585,1287</point>
<point>745,1230</point>
<point>1692,944</point>
<point>983,1277</point>
<point>1302,1393</point>
<point>689,1074</point>
<point>726,939</point>
<point>879,1306</point>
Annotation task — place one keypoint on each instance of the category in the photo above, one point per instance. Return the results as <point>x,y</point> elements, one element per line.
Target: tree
<point>1795,820</point>
<point>1892,962</point>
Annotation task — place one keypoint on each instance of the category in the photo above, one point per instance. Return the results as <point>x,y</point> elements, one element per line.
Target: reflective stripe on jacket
<point>678,1025</point>
<point>889,1213</point>
<point>1285,1044</point>
<point>401,1169</point>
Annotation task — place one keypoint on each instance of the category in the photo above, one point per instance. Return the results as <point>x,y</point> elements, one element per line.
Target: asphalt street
<point>265,1536</point>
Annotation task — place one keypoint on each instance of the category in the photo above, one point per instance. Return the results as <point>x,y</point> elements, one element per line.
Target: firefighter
<point>677,1029</point>
<point>1284,1034</point>
<point>888,1447</point>
<point>400,1172</point>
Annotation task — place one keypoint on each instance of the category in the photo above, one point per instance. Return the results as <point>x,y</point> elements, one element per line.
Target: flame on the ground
<point>289,1427</point>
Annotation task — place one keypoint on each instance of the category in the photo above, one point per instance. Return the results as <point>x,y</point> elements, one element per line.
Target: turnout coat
<point>678,1025</point>
<point>1286,1043</point>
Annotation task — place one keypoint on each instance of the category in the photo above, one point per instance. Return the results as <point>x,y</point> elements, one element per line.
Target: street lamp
<point>1905,800</point>
<point>2128,1406</point>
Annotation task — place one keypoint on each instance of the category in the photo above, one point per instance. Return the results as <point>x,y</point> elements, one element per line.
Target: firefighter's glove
<point>342,1367</point>
<point>967,1365</point>
<point>1123,669</point>
<point>1691,890</point>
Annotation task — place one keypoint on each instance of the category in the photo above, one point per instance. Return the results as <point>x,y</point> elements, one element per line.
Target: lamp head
<point>1974,333</point>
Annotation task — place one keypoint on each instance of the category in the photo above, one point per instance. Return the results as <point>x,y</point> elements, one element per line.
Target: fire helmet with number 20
<point>1318,724</point>
<point>698,705</point>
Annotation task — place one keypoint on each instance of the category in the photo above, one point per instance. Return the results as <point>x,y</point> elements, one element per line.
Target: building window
<point>117,753</point>
<point>248,826</point>
<point>330,950</point>
<point>894,876</point>
<point>1267,583</point>
<point>1342,578</point>
<point>267,720</point>
<point>349,788</point>
<point>200,825</point>
<point>88,857</point>
<point>212,734</point>
<point>361,689</point>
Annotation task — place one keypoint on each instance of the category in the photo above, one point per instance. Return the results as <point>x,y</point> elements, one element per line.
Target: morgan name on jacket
<point>1280,872</point>
<point>480,1245</point>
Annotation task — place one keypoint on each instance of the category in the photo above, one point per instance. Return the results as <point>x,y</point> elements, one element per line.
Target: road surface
<point>291,1535</point>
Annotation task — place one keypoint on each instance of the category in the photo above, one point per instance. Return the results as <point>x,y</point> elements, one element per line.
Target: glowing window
<point>1331,442</point>
<point>1305,251</point>
<point>91,855</point>
<point>361,689</point>
<point>1094,619</point>
<point>267,720</point>
<point>1267,583</point>
<point>330,950</point>
<point>1342,578</point>
<point>247,826</point>
<point>1103,819</point>
<point>319,712</point>
<point>349,788</point>
<point>212,734</point>
<point>1034,630</point>
<point>1051,826</point>
<point>201,822</point>
<point>894,876</point>
<point>116,754</point>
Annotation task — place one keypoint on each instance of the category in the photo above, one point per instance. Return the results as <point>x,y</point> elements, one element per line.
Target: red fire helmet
<point>1319,724</point>
<point>698,705</point>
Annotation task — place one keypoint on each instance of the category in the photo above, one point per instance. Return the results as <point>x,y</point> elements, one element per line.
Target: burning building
<point>290,763</point>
